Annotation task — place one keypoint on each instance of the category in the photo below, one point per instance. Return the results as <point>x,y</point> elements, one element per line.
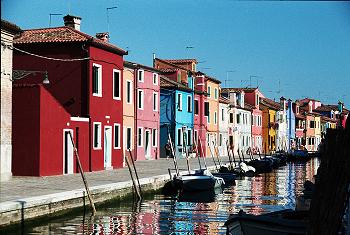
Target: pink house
<point>146,86</point>
<point>252,97</point>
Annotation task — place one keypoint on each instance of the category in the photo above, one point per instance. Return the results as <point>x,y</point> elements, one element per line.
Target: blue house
<point>290,124</point>
<point>176,114</point>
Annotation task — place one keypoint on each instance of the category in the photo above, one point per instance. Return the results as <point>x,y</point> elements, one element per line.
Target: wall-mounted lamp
<point>20,74</point>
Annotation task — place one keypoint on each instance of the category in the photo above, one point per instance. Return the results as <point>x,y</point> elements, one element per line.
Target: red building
<point>83,98</point>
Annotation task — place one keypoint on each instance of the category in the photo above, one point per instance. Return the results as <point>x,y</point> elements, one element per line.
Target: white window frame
<point>154,135</point>
<point>189,139</point>
<point>99,93</point>
<point>215,118</point>
<point>99,136</point>
<point>139,97</point>
<point>127,91</point>
<point>179,101</point>
<point>155,101</point>
<point>209,91</point>
<point>216,93</point>
<point>126,138</point>
<point>142,77</point>
<point>114,142</point>
<point>181,137</point>
<point>155,79</point>
<point>189,104</point>
<point>140,140</point>
<point>223,114</point>
<point>119,95</point>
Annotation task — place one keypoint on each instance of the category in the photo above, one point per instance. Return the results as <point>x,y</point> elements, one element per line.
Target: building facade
<point>86,80</point>
<point>8,31</point>
<point>270,126</point>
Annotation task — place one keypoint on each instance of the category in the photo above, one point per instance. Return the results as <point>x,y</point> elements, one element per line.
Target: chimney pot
<point>72,21</point>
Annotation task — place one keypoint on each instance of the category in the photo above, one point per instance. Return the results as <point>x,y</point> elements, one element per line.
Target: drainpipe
<point>135,113</point>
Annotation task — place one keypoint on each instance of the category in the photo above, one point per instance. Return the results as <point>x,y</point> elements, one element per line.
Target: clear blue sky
<point>304,45</point>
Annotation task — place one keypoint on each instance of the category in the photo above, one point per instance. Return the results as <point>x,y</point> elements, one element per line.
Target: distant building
<point>290,125</point>
<point>8,31</point>
<point>223,126</point>
<point>270,124</point>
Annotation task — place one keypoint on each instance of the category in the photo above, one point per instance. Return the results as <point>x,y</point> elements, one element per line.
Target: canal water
<point>199,213</point>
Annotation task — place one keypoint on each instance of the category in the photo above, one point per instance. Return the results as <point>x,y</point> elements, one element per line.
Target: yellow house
<point>128,108</point>
<point>269,125</point>
<point>212,86</point>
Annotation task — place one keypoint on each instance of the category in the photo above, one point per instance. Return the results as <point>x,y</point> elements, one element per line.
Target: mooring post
<point>137,189</point>
<point>137,176</point>
<point>83,176</point>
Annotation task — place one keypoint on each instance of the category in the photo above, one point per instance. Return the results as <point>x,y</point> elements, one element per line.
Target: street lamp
<point>20,74</point>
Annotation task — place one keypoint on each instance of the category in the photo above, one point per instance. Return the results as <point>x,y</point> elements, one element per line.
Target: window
<point>179,102</point>
<point>209,91</point>
<point>257,100</point>
<point>196,107</point>
<point>179,136</point>
<point>189,137</point>
<point>140,137</point>
<point>220,139</point>
<point>116,136</point>
<point>189,103</point>
<point>155,101</point>
<point>128,137</point>
<point>222,115</point>
<point>128,92</point>
<point>215,117</point>
<point>238,118</point>
<point>140,99</point>
<point>155,79</point>
<point>312,124</point>
<point>216,93</point>
<point>97,80</point>
<point>97,135</point>
<point>196,136</point>
<point>154,138</point>
<point>116,84</point>
<point>140,75</point>
<point>253,120</point>
<point>206,109</point>
<point>231,117</point>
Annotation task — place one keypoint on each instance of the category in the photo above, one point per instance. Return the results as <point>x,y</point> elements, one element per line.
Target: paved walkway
<point>24,187</point>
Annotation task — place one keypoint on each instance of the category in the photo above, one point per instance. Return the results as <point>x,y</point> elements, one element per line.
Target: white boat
<point>196,182</point>
<point>275,223</point>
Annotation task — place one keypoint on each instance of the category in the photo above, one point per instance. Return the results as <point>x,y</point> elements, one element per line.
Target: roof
<point>224,100</point>
<point>269,103</point>
<point>168,83</point>
<point>212,79</point>
<point>172,64</point>
<point>327,119</point>
<point>134,65</point>
<point>307,100</point>
<point>248,106</point>
<point>181,61</point>
<point>10,27</point>
<point>169,70</point>
<point>300,116</point>
<point>63,34</point>
<point>227,90</point>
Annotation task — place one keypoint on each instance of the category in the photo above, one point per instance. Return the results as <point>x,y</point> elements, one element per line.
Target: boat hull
<point>198,182</point>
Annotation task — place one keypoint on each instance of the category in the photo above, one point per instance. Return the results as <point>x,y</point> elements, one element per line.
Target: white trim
<point>119,137</point>
<point>63,160</point>
<point>155,134</point>
<point>107,117</point>
<point>131,92</point>
<point>142,77</point>
<point>216,93</point>
<point>156,101</point>
<point>139,141</point>
<point>109,163</point>
<point>120,88</point>
<point>99,136</point>
<point>191,106</point>
<point>99,93</point>
<point>215,118</point>
<point>155,76</point>
<point>126,138</point>
<point>138,98</point>
<point>179,101</point>
<point>79,119</point>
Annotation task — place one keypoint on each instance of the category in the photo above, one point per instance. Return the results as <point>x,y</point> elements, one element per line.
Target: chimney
<point>340,106</point>
<point>232,96</point>
<point>103,36</point>
<point>72,21</point>
<point>283,103</point>
<point>310,106</point>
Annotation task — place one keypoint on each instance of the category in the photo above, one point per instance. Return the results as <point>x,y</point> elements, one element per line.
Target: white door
<point>148,144</point>
<point>68,154</point>
<point>108,146</point>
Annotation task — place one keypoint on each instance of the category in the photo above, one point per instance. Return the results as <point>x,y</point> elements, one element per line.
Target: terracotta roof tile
<point>62,35</point>
<point>224,100</point>
<point>169,70</point>
<point>10,27</point>
<point>181,61</point>
<point>269,103</point>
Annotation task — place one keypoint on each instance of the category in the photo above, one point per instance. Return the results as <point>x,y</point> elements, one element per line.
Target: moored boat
<point>198,182</point>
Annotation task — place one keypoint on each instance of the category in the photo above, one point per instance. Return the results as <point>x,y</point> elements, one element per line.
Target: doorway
<point>68,154</point>
<point>148,144</point>
<point>108,147</point>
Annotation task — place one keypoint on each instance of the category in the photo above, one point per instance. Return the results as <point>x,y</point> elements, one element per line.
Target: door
<point>148,144</point>
<point>68,154</point>
<point>108,147</point>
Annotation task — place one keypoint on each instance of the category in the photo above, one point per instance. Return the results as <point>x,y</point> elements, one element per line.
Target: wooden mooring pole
<point>136,187</point>
<point>83,176</point>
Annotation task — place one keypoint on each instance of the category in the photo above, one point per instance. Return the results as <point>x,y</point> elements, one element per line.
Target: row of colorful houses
<point>114,108</point>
